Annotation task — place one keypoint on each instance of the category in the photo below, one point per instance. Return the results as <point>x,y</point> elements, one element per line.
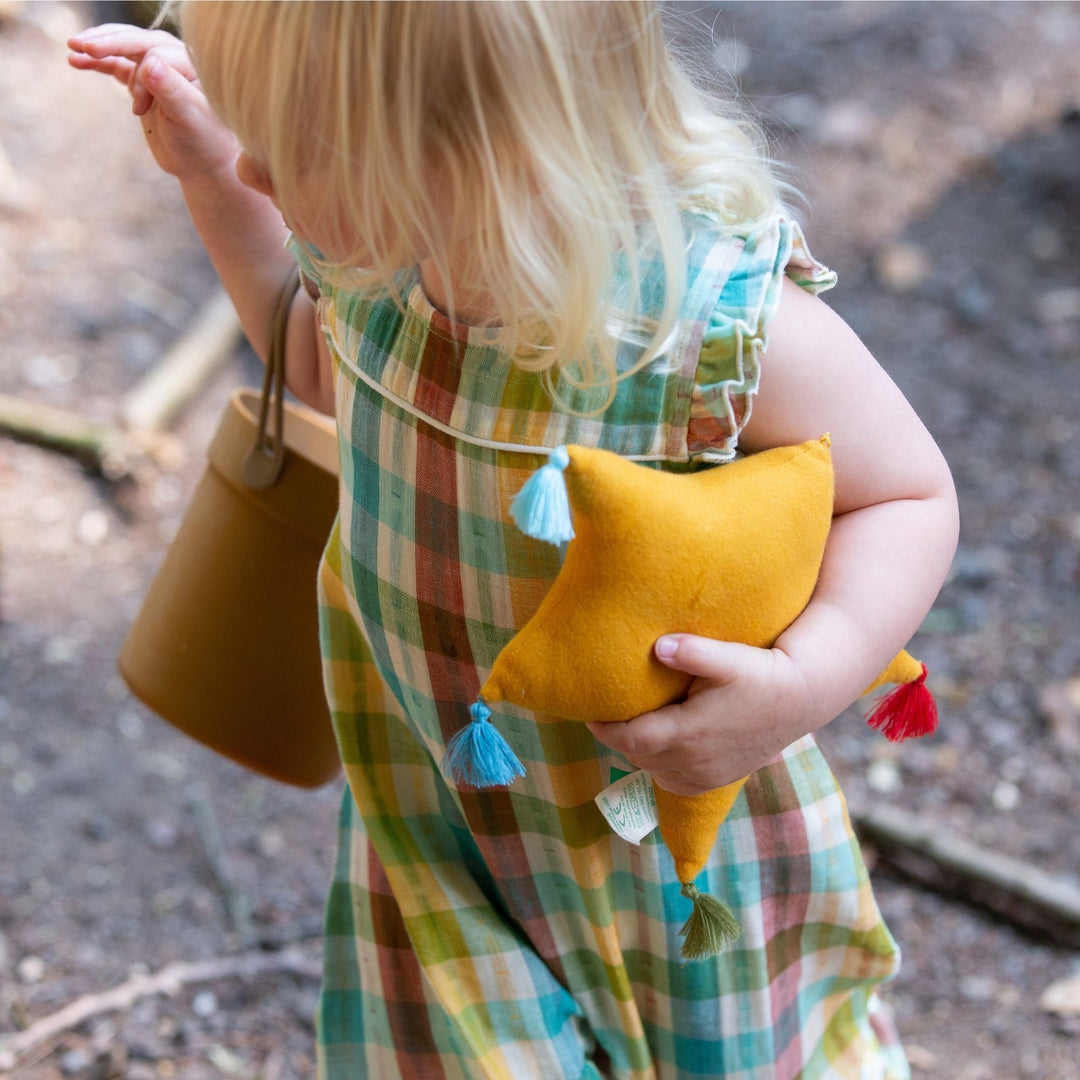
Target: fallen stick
<point>1021,892</point>
<point>165,390</point>
<point>101,447</point>
<point>237,905</point>
<point>169,980</point>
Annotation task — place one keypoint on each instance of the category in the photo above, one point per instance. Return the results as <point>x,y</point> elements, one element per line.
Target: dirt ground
<point>939,147</point>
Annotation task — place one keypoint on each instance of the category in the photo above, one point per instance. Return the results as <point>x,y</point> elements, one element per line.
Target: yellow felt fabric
<point>688,824</point>
<point>903,668</point>
<point>731,553</point>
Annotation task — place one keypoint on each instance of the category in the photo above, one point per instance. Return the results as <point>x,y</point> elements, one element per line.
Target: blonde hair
<point>563,135</point>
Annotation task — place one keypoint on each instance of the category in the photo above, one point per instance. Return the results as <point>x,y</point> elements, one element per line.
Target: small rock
<point>271,842</point>
<point>204,1004</point>
<point>884,777</point>
<point>74,1062</point>
<point>130,725</point>
<point>31,969</point>
<point>92,528</point>
<point>1006,796</point>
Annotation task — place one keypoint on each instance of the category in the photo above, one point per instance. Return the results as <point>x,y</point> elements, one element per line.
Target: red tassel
<point>906,712</point>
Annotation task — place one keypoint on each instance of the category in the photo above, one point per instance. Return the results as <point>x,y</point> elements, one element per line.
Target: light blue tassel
<point>541,509</point>
<point>479,755</point>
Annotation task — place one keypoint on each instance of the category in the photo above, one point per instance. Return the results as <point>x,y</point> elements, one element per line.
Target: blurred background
<point>938,146</point>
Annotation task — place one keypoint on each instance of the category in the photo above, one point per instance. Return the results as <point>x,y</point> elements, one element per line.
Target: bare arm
<point>895,526</point>
<point>891,544</point>
<point>241,229</point>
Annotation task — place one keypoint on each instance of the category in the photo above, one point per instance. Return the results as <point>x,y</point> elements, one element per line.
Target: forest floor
<point>938,146</point>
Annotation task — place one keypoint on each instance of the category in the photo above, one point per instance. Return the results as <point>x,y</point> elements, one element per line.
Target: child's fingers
<point>141,97</point>
<point>118,37</point>
<point>115,40</point>
<point>643,739</point>
<point>157,80</point>
<point>119,68</point>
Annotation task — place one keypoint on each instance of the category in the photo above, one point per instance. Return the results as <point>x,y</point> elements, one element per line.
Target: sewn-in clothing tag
<point>629,806</point>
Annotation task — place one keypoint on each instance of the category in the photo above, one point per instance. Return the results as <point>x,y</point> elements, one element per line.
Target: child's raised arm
<point>242,230</point>
<point>892,541</point>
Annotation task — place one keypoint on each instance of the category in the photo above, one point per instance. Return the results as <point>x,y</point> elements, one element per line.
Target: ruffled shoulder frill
<point>737,334</point>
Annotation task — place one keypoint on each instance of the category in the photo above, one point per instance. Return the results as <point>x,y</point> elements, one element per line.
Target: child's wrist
<point>831,672</point>
<point>211,178</point>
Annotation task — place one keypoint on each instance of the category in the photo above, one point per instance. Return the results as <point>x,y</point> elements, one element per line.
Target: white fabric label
<point>629,806</point>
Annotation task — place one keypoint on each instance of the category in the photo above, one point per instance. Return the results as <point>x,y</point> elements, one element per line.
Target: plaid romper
<point>509,933</point>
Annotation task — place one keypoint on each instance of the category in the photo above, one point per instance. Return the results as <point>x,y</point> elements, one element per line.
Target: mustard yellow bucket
<point>226,645</point>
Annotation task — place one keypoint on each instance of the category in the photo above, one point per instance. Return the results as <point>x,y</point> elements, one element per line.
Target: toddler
<point>523,225</point>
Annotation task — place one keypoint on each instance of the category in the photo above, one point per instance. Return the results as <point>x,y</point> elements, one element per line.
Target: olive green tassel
<point>712,925</point>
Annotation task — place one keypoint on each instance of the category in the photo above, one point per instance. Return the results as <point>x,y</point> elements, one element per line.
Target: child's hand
<point>743,708</point>
<point>185,137</point>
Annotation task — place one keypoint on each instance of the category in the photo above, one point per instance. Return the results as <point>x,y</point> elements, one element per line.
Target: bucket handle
<point>264,461</point>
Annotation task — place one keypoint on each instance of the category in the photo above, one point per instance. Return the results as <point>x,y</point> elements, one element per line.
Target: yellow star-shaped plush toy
<point>731,553</point>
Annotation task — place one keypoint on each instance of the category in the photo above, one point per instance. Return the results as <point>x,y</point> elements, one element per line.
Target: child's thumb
<point>166,85</point>
<point>699,656</point>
